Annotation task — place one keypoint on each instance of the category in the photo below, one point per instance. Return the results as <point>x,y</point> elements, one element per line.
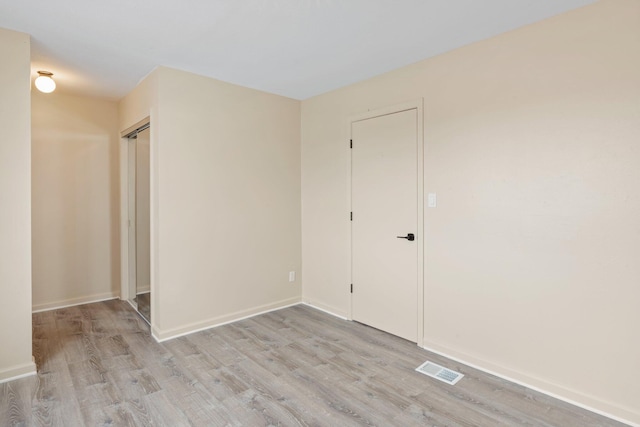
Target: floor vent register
<point>439,372</point>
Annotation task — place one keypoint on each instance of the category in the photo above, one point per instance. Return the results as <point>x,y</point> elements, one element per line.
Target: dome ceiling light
<point>44,82</point>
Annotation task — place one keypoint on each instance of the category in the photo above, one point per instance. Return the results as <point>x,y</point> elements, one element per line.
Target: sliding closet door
<point>131,212</point>
<point>139,232</point>
<point>143,271</point>
<point>143,230</point>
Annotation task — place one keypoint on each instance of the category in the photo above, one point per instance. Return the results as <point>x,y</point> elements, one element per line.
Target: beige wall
<point>225,200</point>
<point>531,143</point>
<point>140,103</point>
<point>75,199</point>
<point>15,210</point>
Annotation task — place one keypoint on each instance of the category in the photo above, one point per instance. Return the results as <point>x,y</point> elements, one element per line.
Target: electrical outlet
<point>292,276</point>
<point>432,200</point>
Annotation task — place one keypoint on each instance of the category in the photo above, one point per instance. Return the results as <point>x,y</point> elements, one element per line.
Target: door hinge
<point>350,216</point>
<point>352,288</point>
<point>351,143</point>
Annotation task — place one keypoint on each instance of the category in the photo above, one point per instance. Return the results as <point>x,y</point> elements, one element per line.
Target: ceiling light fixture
<point>44,82</point>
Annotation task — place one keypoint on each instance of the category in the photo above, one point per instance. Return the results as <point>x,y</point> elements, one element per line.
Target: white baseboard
<point>326,308</point>
<point>17,372</point>
<point>556,391</point>
<point>143,289</point>
<point>169,334</point>
<point>75,301</point>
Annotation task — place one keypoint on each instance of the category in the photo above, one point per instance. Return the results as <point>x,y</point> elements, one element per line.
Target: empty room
<point>320,212</point>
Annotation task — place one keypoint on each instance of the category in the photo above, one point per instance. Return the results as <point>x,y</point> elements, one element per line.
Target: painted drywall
<point>75,199</point>
<point>15,213</point>
<point>225,200</point>
<point>140,104</point>
<point>531,144</point>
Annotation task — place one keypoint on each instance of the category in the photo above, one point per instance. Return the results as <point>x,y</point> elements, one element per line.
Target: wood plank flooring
<point>98,366</point>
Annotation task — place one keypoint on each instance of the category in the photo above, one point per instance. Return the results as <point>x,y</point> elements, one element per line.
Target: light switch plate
<point>432,200</point>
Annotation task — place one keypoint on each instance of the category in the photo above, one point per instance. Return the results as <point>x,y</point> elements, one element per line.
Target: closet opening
<point>137,276</point>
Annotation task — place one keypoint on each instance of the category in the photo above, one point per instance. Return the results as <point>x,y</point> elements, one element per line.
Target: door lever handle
<point>410,237</point>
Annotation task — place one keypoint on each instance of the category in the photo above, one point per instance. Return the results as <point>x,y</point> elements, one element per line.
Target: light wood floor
<point>97,365</point>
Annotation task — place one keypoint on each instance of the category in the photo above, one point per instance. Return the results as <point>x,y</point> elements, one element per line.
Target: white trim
<point>170,334</point>
<point>17,372</point>
<point>37,308</point>
<point>383,111</point>
<point>418,105</point>
<point>124,218</point>
<point>422,161</point>
<point>464,359</point>
<point>326,309</point>
<point>124,203</point>
<point>349,295</point>
<point>132,217</point>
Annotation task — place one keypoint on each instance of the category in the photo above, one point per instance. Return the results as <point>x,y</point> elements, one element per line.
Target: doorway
<point>138,221</point>
<point>386,221</point>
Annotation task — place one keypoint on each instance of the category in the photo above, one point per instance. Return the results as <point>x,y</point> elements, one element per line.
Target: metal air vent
<point>439,372</point>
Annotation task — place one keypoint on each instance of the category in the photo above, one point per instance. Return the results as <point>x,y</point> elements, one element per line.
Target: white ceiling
<point>296,48</point>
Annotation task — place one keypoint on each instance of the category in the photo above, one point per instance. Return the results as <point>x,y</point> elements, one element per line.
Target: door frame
<point>132,226</point>
<point>416,104</point>
<point>125,230</point>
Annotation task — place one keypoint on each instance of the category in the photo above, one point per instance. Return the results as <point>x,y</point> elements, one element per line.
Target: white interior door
<point>384,201</point>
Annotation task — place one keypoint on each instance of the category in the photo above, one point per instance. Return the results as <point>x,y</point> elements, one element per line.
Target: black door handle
<point>410,237</point>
